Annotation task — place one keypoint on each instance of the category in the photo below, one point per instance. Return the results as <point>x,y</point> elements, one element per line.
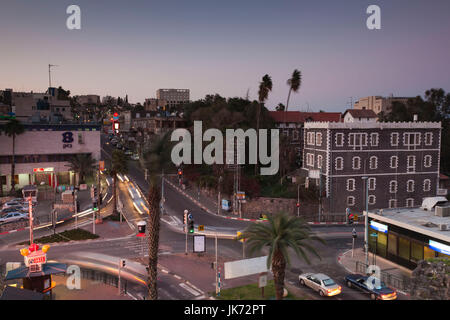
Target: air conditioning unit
<point>442,211</point>
<point>443,227</point>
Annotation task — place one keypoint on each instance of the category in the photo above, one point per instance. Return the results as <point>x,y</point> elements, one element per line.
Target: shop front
<point>404,246</point>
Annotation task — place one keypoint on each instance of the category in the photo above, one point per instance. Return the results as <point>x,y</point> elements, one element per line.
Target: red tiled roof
<point>443,177</point>
<point>301,117</point>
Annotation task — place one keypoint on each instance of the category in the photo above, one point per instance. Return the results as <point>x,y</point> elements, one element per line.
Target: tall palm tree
<point>265,86</point>
<point>83,165</point>
<point>280,233</point>
<point>294,84</point>
<point>156,160</point>
<point>118,166</point>
<point>12,129</point>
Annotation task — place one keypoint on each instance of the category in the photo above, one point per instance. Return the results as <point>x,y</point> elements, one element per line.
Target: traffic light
<point>94,206</point>
<point>185,218</point>
<point>122,263</point>
<point>298,204</point>
<point>191,226</point>
<point>180,172</point>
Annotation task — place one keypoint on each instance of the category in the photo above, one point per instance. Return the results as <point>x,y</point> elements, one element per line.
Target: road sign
<point>201,227</point>
<point>199,243</point>
<point>374,235</point>
<point>355,217</point>
<point>262,281</point>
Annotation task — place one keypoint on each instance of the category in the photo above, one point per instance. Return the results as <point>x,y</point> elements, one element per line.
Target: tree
<point>280,107</point>
<point>118,166</point>
<point>12,129</point>
<point>280,233</point>
<point>294,84</point>
<point>83,165</point>
<point>156,159</point>
<point>265,86</point>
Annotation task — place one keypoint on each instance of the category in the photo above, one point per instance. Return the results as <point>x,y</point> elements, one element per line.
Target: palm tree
<point>118,166</point>
<point>83,165</point>
<point>265,86</point>
<point>280,233</point>
<point>12,129</point>
<point>294,84</point>
<point>156,159</point>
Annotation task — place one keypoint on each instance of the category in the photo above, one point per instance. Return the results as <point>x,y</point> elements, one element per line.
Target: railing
<point>399,283</point>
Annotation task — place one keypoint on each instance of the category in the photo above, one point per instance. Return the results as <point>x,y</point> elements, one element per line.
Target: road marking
<point>189,289</point>
<point>178,277</point>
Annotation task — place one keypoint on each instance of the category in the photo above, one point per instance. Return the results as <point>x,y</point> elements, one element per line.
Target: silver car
<point>321,283</point>
<point>14,216</point>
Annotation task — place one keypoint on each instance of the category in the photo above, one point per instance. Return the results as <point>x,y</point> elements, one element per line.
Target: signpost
<point>262,282</point>
<point>354,236</point>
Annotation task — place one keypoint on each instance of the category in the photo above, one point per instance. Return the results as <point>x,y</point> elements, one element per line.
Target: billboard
<point>246,267</point>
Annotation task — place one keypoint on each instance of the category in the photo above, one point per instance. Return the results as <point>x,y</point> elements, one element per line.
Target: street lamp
<point>366,222</point>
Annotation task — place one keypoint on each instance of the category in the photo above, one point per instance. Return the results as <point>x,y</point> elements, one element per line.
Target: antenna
<point>49,74</point>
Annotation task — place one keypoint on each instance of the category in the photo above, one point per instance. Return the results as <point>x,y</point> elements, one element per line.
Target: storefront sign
<point>67,139</point>
<point>439,247</point>
<point>43,169</point>
<point>378,226</point>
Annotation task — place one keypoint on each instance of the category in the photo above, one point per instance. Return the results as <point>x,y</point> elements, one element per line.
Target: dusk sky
<point>225,47</point>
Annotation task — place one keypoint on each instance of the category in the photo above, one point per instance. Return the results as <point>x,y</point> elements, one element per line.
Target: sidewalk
<point>386,266</point>
<point>110,229</point>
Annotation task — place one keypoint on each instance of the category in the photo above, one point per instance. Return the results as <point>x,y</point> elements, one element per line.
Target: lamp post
<point>366,221</point>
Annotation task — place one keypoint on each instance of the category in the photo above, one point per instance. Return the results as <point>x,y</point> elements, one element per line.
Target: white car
<point>321,283</point>
<point>134,156</point>
<point>14,216</point>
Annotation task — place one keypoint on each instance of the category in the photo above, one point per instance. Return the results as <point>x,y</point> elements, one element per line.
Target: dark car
<point>377,289</point>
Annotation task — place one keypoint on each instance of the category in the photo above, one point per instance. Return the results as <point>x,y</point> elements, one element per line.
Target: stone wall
<point>431,281</point>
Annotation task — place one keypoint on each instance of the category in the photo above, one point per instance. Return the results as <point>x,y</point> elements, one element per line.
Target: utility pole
<point>366,222</point>
<point>162,192</point>
<point>219,200</point>
<point>215,270</point>
<point>320,194</point>
<point>298,200</point>
<point>30,211</point>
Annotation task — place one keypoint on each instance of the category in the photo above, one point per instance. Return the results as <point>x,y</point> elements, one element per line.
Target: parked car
<point>13,216</point>
<point>128,152</point>
<point>377,290</point>
<point>10,204</point>
<point>134,156</point>
<point>320,283</point>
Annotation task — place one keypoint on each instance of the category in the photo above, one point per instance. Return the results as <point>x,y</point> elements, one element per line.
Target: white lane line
<point>189,289</point>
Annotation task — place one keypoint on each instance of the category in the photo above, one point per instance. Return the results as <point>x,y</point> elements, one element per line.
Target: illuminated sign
<point>43,169</point>
<point>439,247</point>
<point>35,258</point>
<point>116,125</point>
<point>378,226</point>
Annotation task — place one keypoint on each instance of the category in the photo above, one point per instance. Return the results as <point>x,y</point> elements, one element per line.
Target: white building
<point>42,153</point>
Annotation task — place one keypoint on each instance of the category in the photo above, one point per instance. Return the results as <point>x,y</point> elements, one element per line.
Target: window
<point>350,201</point>
<point>426,185</point>
<point>403,248</point>
<point>410,186</point>
<point>393,203</point>
<point>80,138</point>
<point>319,161</point>
<point>411,139</point>
<point>372,183</point>
<point>394,162</point>
<point>310,138</point>
<point>411,164</point>
<point>416,251</point>
<point>427,161</point>
<point>374,139</point>
<point>350,184</point>
<point>339,140</point>
<point>394,139</point>
<point>428,138</point>
<point>318,139</point>
<point>393,186</point>
<point>286,133</point>
<point>410,202</point>
<point>356,163</point>
<point>372,199</point>
<point>373,162</point>
<point>339,163</point>
<point>357,140</point>
<point>310,159</point>
<point>392,243</point>
<point>295,135</point>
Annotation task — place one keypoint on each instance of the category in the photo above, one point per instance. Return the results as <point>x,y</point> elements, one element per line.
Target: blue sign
<point>225,204</point>
<point>378,226</point>
<point>439,247</point>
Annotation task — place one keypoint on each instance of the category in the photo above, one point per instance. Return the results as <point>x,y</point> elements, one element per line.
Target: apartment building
<point>173,97</point>
<point>400,160</point>
<point>378,103</point>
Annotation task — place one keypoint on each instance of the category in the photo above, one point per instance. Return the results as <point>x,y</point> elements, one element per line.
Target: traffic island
<point>66,236</point>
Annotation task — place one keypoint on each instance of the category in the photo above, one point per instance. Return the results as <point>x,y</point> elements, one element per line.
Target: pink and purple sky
<point>136,47</point>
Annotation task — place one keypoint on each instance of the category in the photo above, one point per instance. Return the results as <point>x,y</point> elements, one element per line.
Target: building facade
<point>291,124</point>
<point>173,97</point>
<point>400,160</point>
<point>378,104</point>
<point>43,151</point>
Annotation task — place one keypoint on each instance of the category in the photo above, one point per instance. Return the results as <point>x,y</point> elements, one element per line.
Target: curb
<point>333,223</point>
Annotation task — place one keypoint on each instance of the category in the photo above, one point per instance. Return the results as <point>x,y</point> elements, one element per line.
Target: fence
<point>389,279</point>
